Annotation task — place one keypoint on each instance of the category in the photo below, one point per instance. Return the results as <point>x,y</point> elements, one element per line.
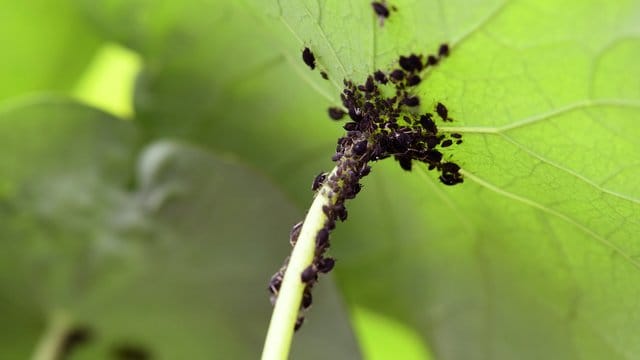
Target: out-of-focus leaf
<point>46,45</point>
<point>160,258</point>
<point>65,169</point>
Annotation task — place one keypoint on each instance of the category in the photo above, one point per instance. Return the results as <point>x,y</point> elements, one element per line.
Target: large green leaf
<point>160,258</point>
<point>512,263</point>
<point>535,255</point>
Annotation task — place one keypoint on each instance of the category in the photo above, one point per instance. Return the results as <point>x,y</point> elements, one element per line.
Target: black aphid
<point>309,58</point>
<point>459,142</point>
<point>380,9</point>
<point>324,75</point>
<point>309,274</point>
<point>299,322</point>
<point>355,114</point>
<point>413,80</point>
<point>433,156</point>
<point>411,101</point>
<point>318,181</point>
<point>340,212</point>
<point>442,111</point>
<point>450,174</point>
<point>397,75</point>
<point>130,352</point>
<point>432,141</point>
<point>380,77</point>
<point>322,239</point>
<point>74,338</point>
<point>446,143</point>
<point>360,147</point>
<point>443,51</point>
<point>410,63</point>
<point>326,264</point>
<point>275,283</point>
<point>307,299</point>
<point>336,113</point>
<point>295,233</point>
<point>456,135</point>
<point>350,126</point>
<point>432,60</point>
<point>405,162</point>
<point>427,123</point>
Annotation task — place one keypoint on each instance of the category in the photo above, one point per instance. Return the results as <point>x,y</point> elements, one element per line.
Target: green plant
<point>156,232</point>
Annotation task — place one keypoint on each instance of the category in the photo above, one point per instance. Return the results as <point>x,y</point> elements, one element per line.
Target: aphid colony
<point>383,122</point>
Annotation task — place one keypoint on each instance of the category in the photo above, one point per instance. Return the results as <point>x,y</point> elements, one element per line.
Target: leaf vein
<point>603,241</point>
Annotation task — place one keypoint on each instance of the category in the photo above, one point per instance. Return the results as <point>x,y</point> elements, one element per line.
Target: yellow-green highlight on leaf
<point>109,80</point>
<point>382,338</point>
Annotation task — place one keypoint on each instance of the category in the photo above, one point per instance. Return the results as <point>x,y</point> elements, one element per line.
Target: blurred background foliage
<point>156,153</point>
<point>152,247</point>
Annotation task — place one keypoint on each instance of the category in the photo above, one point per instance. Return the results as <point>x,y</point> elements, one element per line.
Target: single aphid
<point>442,111</point>
<point>456,135</point>
<point>326,264</point>
<point>369,85</point>
<point>431,141</point>
<point>427,123</point>
<point>299,322</point>
<point>336,113</point>
<point>295,233</point>
<point>324,75</point>
<point>397,75</point>
<point>433,156</point>
<point>355,114</point>
<point>380,9</point>
<point>413,80</point>
<point>322,239</point>
<point>275,283</point>
<point>307,299</point>
<point>411,101</point>
<point>309,274</point>
<point>380,77</point>
<point>318,181</point>
<point>360,148</point>
<point>446,143</point>
<point>350,126</point>
<point>432,60</point>
<point>405,162</point>
<point>340,212</point>
<point>443,51</point>
<point>309,58</point>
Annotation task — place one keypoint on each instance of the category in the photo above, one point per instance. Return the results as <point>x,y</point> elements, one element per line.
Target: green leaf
<point>535,255</point>
<point>160,258</point>
<point>517,256</point>
<point>46,45</point>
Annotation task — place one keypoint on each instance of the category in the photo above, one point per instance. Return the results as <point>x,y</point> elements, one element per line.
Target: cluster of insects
<point>383,121</point>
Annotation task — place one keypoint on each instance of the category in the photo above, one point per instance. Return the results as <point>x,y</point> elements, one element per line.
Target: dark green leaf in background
<point>140,257</point>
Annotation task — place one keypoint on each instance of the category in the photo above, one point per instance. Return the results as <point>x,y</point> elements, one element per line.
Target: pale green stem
<point>50,345</point>
<point>280,334</point>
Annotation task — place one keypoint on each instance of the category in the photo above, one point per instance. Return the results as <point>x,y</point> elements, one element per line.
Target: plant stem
<point>280,334</point>
<point>52,340</point>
